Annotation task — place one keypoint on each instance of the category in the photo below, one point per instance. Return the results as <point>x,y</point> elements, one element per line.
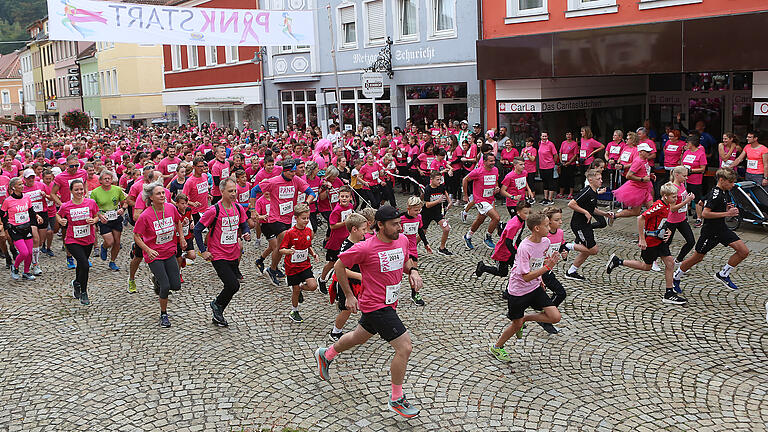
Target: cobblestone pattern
<point>623,361</point>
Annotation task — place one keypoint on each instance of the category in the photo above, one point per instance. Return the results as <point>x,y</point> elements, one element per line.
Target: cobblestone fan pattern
<point>623,360</point>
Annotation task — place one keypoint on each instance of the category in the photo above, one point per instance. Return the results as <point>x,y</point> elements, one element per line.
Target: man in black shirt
<point>584,206</point>
<point>717,206</point>
<point>434,197</point>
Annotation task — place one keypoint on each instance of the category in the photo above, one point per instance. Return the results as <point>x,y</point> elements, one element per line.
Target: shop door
<point>421,114</point>
<point>710,111</point>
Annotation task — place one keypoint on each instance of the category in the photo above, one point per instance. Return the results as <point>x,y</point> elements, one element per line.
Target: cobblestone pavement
<point>623,361</point>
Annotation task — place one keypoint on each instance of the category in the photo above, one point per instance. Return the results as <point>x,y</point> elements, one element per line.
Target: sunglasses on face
<point>75,166</point>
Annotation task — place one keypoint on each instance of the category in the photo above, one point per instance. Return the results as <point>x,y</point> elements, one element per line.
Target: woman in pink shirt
<point>529,156</point>
<point>18,217</point>
<point>638,190</point>
<point>369,179</point>
<point>588,148</point>
<point>156,234</point>
<point>695,159</point>
<point>673,154</point>
<point>548,156</point>
<point>728,150</point>
<point>79,215</point>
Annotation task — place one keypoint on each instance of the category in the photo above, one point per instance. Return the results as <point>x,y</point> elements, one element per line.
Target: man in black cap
<point>382,260</point>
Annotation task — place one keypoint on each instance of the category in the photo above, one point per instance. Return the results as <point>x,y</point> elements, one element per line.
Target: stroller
<point>752,201</point>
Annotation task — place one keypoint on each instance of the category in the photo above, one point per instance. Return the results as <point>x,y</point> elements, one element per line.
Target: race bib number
<point>80,231</point>
<point>615,150</point>
<point>391,260</point>
<point>410,228</point>
<point>728,163</point>
<point>375,175</point>
<point>582,154</point>
<point>48,202</point>
<point>345,214</point>
<point>163,230</point>
<point>489,180</point>
<point>487,193</point>
<point>37,206</point>
<point>689,158</point>
<point>672,147</point>
<point>301,198</point>
<point>537,263</point>
<point>21,218</point>
<point>334,197</point>
<point>393,291</point>
<point>286,207</point>
<point>286,192</point>
<point>202,188</point>
<point>228,237</point>
<point>683,209</point>
<point>520,182</point>
<point>185,228</point>
<point>752,164</point>
<point>111,215</point>
<point>625,156</point>
<point>564,158</point>
<point>300,255</point>
<point>224,173</point>
<point>243,197</point>
<point>553,249</point>
<point>229,225</point>
<point>172,167</point>
<point>164,238</point>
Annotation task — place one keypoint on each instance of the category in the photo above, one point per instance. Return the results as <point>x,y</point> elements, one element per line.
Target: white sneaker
<point>655,266</point>
<point>464,216</point>
<point>190,262</point>
<point>36,270</point>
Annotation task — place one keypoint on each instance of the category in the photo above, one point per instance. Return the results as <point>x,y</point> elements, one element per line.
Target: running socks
<point>469,234</point>
<point>35,255</point>
<point>726,271</point>
<point>330,353</point>
<point>573,269</point>
<point>397,390</point>
<point>679,274</point>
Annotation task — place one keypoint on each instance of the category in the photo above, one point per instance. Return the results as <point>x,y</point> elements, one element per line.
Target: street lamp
<point>258,58</point>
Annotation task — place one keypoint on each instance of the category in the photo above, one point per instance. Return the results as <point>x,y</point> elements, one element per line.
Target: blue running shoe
<point>49,252</point>
<point>322,363</point>
<point>272,276</point>
<point>71,263</point>
<point>676,286</point>
<point>279,273</point>
<point>113,266</point>
<point>89,263</point>
<point>103,253</point>
<point>468,241</point>
<point>489,243</point>
<point>726,280</point>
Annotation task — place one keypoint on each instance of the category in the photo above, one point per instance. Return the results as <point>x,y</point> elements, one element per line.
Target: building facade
<point>432,58</point>
<point>27,80</point>
<point>220,84</point>
<point>615,64</point>
<point>67,74</point>
<point>89,79</point>
<point>11,90</point>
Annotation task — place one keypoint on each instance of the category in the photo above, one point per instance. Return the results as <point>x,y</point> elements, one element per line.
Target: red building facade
<point>219,84</point>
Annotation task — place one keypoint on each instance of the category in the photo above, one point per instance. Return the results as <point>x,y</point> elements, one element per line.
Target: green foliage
<point>76,120</point>
<point>15,16</point>
<point>26,121</point>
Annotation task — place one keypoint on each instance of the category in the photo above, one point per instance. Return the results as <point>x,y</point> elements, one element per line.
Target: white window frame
<point>367,24</point>
<point>114,82</point>
<point>192,54</point>
<point>434,33</point>
<point>580,8</point>
<point>399,23</point>
<point>342,43</point>
<point>233,56</point>
<point>211,55</point>
<point>653,4</point>
<point>21,96</point>
<point>6,97</point>
<point>292,49</point>
<point>108,81</point>
<point>175,58</point>
<point>515,15</point>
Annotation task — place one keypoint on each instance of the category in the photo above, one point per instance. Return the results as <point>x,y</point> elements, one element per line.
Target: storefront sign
<point>272,125</point>
<point>663,100</point>
<point>88,20</point>
<point>569,104</point>
<point>52,105</point>
<point>761,108</point>
<point>373,85</point>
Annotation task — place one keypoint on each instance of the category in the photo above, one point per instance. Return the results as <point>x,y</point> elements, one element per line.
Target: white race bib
<point>172,167</point>
<point>489,180</point>
<point>625,156</point>
<point>21,218</point>
<point>80,231</point>
<point>520,182</point>
<point>202,187</point>
<point>224,173</point>
<point>689,158</point>
<point>334,197</point>
<point>286,192</point>
<point>393,292</point>
<point>286,207</point>
<point>536,263</point>
<point>243,197</point>
<point>728,163</point>
<point>163,230</point>
<point>163,238</point>
<point>553,249</point>
<point>111,215</point>
<point>300,255</point>
<point>375,175</point>
<point>487,193</point>
<point>37,206</point>
<point>751,163</point>
<point>615,150</point>
<point>391,260</point>
<point>672,147</point>
<point>410,228</point>
<point>583,154</point>
<point>345,214</point>
<point>564,158</point>
<point>228,237</point>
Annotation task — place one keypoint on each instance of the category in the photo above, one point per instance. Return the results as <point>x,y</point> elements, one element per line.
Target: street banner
<point>98,21</point>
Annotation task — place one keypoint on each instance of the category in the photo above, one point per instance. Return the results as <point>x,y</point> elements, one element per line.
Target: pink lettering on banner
<point>248,26</point>
<point>224,26</point>
<point>209,20</point>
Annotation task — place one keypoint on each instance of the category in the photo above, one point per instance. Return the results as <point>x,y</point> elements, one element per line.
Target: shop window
<point>431,102</point>
<point>298,107</point>
<point>358,110</point>
<point>407,19</point>
<point>742,80</point>
<point>348,37</point>
<point>211,55</point>
<point>526,11</point>
<point>232,55</point>
<point>175,57</point>
<point>443,23</point>
<point>578,8</point>
<point>665,82</point>
<point>707,81</point>
<point>375,21</point>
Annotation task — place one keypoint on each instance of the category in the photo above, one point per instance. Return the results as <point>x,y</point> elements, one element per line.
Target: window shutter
<point>376,24</point>
<point>347,15</point>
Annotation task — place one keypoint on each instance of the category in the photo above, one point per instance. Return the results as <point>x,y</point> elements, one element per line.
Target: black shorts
<point>274,229</point>
<point>584,235</point>
<point>298,278</point>
<point>649,254</point>
<point>427,219</point>
<point>332,255</point>
<point>341,298</point>
<point>536,299</point>
<point>547,177</point>
<point>190,246</point>
<point>113,225</point>
<point>383,321</point>
<point>136,251</point>
<point>711,237</point>
<point>52,222</point>
<point>44,224</point>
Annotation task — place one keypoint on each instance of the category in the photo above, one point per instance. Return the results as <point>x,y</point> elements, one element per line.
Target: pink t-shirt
<point>485,182</point>
<point>370,174</point>
<point>695,159</point>
<point>529,153</point>
<point>35,194</point>
<point>613,150</point>
<point>283,195</point>
<point>222,242</point>
<point>516,186</point>
<point>547,154</point>
<point>568,150</point>
<point>262,206</point>
<point>381,264</point>
<point>555,240</point>
<point>500,252</point>
<point>168,166</point>
<point>196,188</point>
<point>243,194</point>
<point>78,230</point>
<point>508,155</point>
<point>264,174</point>
<point>65,179</point>
<point>627,156</point>
<point>4,181</point>
<point>588,146</point>
<point>221,170</point>
<point>158,230</point>
<point>49,204</point>
<point>339,214</point>
<point>327,204</point>
<point>755,158</point>
<point>530,257</point>
<point>679,215</point>
<point>411,231</point>
<point>641,168</point>
<point>18,210</point>
<point>672,153</point>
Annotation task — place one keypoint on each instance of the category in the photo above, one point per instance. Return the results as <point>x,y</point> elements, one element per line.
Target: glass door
<point>705,114</point>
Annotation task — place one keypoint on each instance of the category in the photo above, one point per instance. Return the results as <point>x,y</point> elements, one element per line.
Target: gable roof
<point>9,66</point>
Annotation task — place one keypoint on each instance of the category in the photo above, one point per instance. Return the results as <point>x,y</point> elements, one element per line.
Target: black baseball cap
<point>387,212</point>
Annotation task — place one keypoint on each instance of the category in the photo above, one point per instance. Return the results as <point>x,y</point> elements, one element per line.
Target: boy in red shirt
<point>297,248</point>
<point>654,242</point>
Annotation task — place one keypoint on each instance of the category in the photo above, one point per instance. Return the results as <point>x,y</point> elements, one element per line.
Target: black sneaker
<point>444,251</point>
<point>479,269</point>
<point>279,273</point>
<point>549,328</point>
<point>671,297</point>
<point>84,300</point>
<point>260,265</point>
<point>575,276</point>
<point>218,316</point>
<point>416,297</point>
<point>164,321</point>
<point>272,276</point>
<point>301,297</point>
<point>613,262</point>
<point>75,289</point>
<point>322,285</point>
<point>335,336</point>
<point>295,316</point>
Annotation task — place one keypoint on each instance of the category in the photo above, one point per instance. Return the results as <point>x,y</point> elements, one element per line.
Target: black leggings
<point>554,285</point>
<point>81,253</point>
<point>166,275</point>
<point>388,194</point>
<point>502,270</point>
<point>567,174</point>
<point>687,233</point>
<point>313,220</point>
<point>370,195</point>
<point>227,271</point>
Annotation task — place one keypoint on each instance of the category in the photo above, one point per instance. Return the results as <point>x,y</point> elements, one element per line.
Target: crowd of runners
<point>207,193</point>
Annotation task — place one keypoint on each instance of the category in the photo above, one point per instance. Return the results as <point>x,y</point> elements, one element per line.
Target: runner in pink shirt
<point>169,165</point>
<point>515,186</point>
<point>484,188</point>
<point>343,208</point>
<point>61,188</point>
<point>35,191</point>
<point>382,259</point>
<point>157,231</point>
<point>18,218</point>
<point>196,189</point>
<point>548,156</point>
<point>588,148</point>
<point>569,163</point>
<point>219,170</point>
